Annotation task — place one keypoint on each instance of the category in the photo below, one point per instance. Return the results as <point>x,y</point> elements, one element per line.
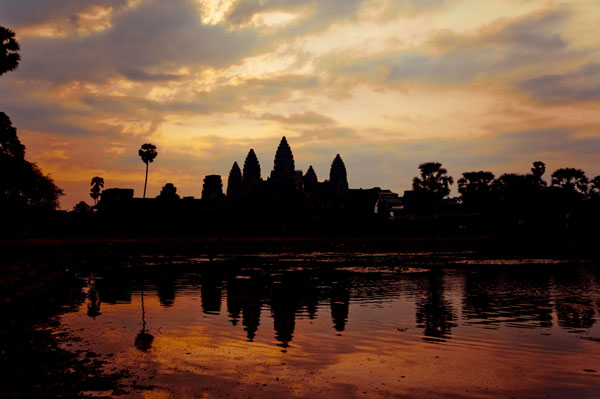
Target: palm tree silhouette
<point>9,57</point>
<point>97,184</point>
<point>143,341</point>
<point>147,152</point>
<point>434,179</point>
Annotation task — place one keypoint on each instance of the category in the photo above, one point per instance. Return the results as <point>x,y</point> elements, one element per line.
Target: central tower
<point>283,169</point>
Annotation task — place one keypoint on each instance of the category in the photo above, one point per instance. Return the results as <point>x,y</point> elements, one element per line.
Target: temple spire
<point>283,169</point>
<point>310,177</point>
<point>251,168</point>
<point>337,174</point>
<point>234,183</point>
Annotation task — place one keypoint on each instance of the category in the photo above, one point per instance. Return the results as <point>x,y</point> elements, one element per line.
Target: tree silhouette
<point>434,180</point>
<point>476,188</point>
<point>10,145</point>
<point>147,152</point>
<point>538,169</point>
<point>82,208</point>
<point>9,57</point>
<point>25,185</point>
<point>97,185</point>
<point>595,187</point>
<point>570,180</point>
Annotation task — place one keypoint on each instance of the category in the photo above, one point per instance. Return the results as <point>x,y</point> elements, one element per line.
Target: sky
<point>387,84</point>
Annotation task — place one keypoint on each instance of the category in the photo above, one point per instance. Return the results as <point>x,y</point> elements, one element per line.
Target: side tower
<point>251,178</point>
<point>212,190</point>
<point>234,182</point>
<point>310,179</point>
<point>337,175</point>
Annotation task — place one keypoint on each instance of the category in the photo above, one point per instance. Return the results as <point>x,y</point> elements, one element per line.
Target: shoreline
<point>510,246</point>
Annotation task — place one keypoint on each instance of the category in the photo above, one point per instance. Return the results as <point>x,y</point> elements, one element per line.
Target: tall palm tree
<point>9,47</point>
<point>147,152</point>
<point>434,180</point>
<point>97,184</point>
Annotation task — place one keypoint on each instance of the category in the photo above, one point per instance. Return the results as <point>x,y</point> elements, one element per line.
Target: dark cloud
<point>41,114</point>
<point>67,119</point>
<point>155,35</point>
<point>142,76</point>
<point>322,13</point>
<point>581,85</point>
<point>19,13</point>
<point>529,41</point>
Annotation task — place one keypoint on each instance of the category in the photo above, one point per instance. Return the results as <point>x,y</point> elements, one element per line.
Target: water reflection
<point>143,341</point>
<point>517,297</point>
<point>351,327</point>
<point>434,312</point>
<point>575,304</point>
<point>490,297</point>
<point>94,303</point>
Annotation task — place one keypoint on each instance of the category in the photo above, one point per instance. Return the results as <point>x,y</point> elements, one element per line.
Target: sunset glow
<point>387,84</point>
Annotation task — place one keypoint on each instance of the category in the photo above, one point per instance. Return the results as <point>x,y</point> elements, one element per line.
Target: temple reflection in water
<point>442,298</point>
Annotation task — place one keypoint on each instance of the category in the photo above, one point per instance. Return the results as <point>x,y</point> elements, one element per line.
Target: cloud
<point>154,36</point>
<point>581,85</point>
<point>449,59</point>
<point>315,15</point>
<point>23,13</point>
<point>30,113</point>
<point>305,118</point>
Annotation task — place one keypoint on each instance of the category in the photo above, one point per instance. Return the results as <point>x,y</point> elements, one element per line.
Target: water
<point>331,325</point>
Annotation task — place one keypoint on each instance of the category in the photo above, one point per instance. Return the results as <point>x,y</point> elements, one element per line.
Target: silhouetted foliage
<point>25,186</point>
<point>82,208</point>
<point>97,184</point>
<point>147,152</point>
<point>595,187</point>
<point>168,192</point>
<point>538,169</point>
<point>570,180</point>
<point>9,47</point>
<point>512,190</point>
<point>476,188</point>
<point>434,181</point>
<point>10,145</point>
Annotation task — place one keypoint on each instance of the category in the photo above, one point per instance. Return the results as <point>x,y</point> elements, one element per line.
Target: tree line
<point>479,189</point>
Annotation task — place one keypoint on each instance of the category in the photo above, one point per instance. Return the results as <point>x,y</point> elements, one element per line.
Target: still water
<point>328,326</point>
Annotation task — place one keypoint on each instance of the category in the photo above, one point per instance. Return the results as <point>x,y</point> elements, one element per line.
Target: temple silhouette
<point>288,200</point>
<point>291,202</point>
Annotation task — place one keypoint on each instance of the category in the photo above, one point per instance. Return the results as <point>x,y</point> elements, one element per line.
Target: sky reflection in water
<point>307,326</point>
